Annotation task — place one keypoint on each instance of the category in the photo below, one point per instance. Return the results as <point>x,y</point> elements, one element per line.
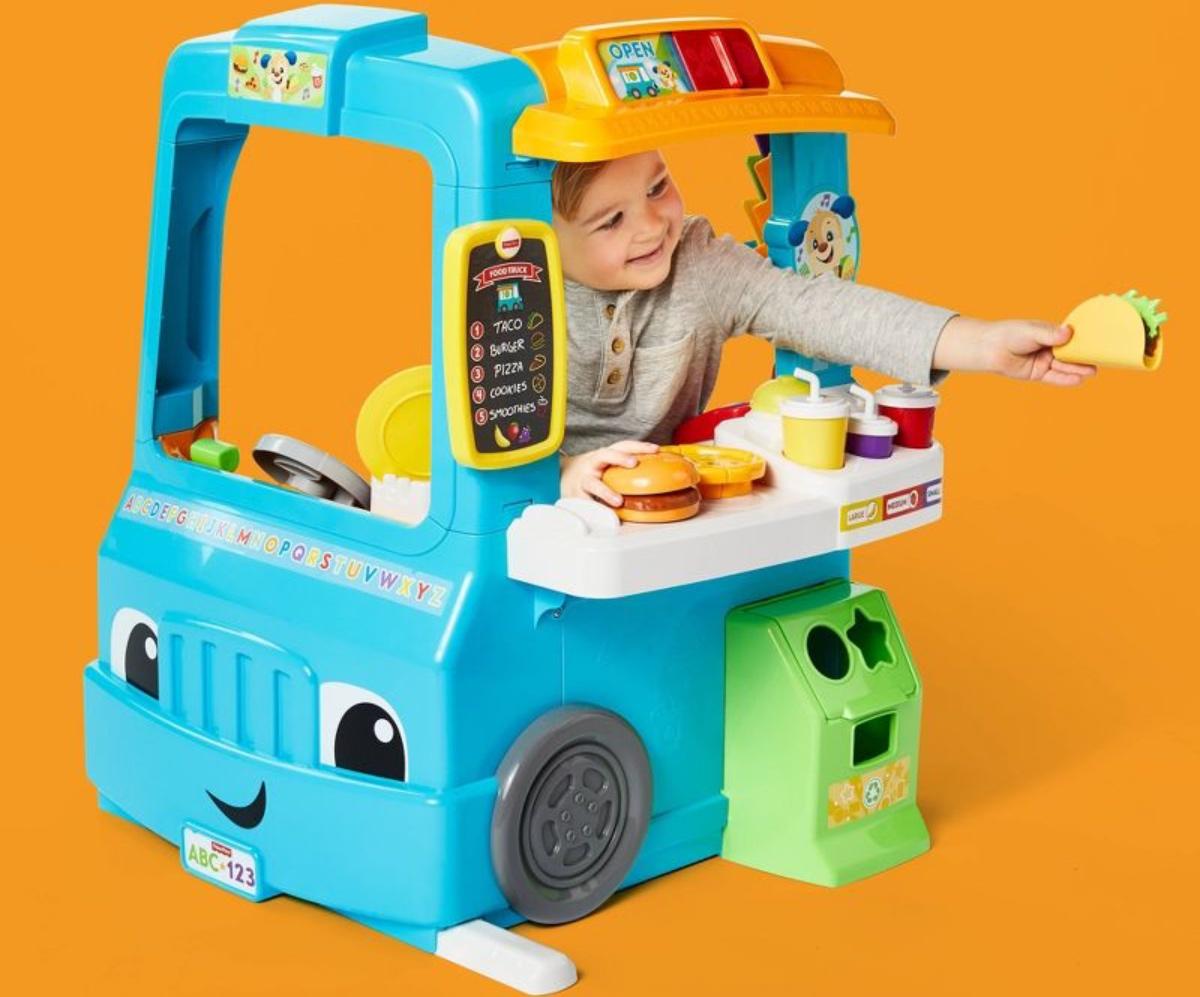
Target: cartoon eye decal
<point>815,244</point>
<point>133,650</point>
<point>360,731</point>
<point>829,236</point>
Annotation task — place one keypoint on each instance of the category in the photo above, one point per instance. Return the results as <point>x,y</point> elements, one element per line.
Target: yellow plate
<point>395,425</point>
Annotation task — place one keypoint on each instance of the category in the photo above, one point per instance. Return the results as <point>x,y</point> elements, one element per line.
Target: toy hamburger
<point>660,489</point>
<point>1115,331</point>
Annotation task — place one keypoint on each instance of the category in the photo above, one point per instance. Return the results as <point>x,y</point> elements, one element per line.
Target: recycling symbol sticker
<point>872,792</point>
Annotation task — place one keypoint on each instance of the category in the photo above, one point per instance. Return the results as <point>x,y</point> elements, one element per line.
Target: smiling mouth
<point>827,258</point>
<point>249,816</point>
<point>649,257</point>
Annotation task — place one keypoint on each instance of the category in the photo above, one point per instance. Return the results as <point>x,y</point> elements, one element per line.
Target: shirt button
<point>613,376</point>
<point>618,345</point>
<point>610,310</point>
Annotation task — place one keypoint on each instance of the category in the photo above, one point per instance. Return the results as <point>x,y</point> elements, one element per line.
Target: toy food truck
<point>446,722</point>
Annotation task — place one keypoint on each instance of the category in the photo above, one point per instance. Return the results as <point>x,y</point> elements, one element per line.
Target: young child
<point>652,295</point>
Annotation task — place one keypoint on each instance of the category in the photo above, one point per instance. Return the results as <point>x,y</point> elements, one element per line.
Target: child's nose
<point>656,220</point>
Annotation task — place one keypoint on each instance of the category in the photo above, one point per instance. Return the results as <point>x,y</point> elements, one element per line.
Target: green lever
<point>215,454</point>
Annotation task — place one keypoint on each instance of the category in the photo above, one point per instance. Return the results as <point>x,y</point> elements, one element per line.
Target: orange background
<point>1043,155</point>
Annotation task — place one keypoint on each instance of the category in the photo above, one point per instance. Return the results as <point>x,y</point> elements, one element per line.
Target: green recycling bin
<point>822,723</point>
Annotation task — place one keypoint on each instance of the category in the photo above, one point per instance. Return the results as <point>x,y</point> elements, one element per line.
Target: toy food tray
<point>579,547</point>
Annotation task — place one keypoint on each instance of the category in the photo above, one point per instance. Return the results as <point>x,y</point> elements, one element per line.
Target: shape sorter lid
<point>839,626</point>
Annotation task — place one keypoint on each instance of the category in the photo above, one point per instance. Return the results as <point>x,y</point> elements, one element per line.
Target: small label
<point>223,862</point>
<point>862,795</point>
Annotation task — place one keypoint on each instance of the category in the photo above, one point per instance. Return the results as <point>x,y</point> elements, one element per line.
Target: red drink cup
<point>912,409</point>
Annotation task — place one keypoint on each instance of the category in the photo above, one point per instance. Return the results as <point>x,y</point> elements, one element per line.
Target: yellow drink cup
<point>814,431</point>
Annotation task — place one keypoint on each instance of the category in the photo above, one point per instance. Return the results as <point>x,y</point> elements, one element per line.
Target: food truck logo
<point>280,76</point>
<point>497,272</point>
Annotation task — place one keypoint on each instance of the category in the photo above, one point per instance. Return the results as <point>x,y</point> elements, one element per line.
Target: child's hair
<point>569,183</point>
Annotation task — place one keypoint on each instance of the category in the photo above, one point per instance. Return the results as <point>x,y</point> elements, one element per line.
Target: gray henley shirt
<point>643,361</point>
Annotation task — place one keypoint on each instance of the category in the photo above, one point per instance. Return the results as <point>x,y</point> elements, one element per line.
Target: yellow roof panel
<point>585,118</point>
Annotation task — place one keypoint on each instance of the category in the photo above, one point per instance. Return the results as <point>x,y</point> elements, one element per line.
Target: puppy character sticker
<point>664,76</point>
<point>279,75</point>
<point>826,237</point>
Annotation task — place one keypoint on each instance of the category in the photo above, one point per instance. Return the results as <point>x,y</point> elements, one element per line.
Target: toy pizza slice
<point>1113,330</point>
<point>724,471</point>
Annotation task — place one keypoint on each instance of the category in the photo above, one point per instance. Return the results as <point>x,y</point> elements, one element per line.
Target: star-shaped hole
<point>870,637</point>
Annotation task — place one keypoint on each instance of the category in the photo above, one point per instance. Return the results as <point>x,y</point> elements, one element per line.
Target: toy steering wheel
<point>312,471</point>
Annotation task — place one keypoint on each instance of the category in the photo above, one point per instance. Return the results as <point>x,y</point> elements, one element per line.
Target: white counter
<point>580,547</point>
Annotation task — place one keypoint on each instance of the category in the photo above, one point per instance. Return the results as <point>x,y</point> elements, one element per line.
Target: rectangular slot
<point>873,738</point>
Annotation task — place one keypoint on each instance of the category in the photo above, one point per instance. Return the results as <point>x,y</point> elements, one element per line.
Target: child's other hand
<point>580,476</point>
<point>1013,347</point>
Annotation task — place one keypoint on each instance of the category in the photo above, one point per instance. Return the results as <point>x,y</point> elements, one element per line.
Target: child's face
<point>627,226</point>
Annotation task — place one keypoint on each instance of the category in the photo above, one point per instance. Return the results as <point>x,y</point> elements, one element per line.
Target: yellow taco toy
<point>1115,331</point>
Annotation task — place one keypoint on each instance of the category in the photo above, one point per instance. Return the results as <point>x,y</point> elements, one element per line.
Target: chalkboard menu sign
<point>504,337</point>
<point>510,351</point>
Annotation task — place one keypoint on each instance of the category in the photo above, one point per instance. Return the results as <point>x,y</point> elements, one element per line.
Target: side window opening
<point>324,323</point>
<point>719,163</point>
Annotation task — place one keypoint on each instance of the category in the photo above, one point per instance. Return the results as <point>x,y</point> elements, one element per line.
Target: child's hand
<point>1012,347</point>
<point>581,474</point>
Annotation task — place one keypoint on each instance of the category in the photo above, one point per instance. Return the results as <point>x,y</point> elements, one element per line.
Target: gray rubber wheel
<point>573,805</point>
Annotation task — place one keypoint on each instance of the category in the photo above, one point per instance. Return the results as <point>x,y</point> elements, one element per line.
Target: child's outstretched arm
<point>580,475</point>
<point>1012,347</point>
<point>849,323</point>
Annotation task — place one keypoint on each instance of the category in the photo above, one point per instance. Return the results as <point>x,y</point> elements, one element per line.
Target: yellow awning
<point>594,112</point>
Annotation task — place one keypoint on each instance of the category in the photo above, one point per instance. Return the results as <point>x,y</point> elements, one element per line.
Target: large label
<point>510,346</point>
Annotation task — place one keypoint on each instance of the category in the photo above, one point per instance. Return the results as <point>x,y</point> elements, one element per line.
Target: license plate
<point>232,866</point>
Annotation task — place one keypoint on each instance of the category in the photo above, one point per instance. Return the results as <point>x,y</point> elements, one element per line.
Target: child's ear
<point>796,232</point>
<point>843,206</point>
